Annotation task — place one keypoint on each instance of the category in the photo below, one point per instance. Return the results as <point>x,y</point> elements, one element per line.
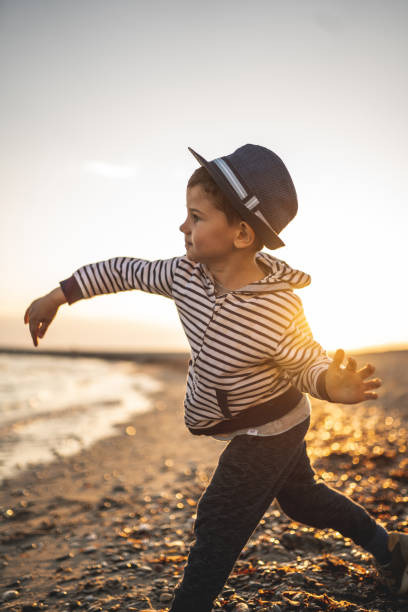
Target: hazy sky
<point>100,100</point>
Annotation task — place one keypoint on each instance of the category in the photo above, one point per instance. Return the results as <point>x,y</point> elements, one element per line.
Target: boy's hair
<point>202,177</point>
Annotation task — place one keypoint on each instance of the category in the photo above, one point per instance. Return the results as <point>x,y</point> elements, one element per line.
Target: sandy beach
<point>109,528</point>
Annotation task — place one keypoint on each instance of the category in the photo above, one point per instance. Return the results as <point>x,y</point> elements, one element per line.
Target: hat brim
<point>268,236</point>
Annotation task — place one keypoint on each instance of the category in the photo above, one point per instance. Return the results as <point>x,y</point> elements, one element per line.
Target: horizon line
<point>120,353</point>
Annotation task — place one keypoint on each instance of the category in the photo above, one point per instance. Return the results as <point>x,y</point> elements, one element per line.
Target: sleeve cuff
<point>321,386</point>
<point>71,290</point>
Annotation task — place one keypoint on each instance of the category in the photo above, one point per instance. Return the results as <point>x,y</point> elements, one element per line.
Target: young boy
<point>253,359</point>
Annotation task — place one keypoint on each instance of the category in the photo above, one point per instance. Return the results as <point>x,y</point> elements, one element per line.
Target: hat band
<point>239,189</point>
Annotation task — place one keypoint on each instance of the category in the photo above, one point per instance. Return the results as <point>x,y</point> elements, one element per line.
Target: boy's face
<point>208,236</point>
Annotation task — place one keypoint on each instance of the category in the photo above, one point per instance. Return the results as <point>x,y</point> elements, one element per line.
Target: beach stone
<point>176,544</point>
<point>123,565</point>
<point>228,591</point>
<point>57,593</point>
<point>253,584</point>
<point>14,585</point>
<point>65,557</point>
<point>119,489</point>
<point>89,549</point>
<point>29,546</point>
<point>10,595</point>
<point>160,582</point>
<point>165,597</point>
<point>114,583</point>
<point>240,607</point>
<point>19,492</point>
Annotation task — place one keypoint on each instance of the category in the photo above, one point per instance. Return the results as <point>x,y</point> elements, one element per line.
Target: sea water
<point>51,406</point>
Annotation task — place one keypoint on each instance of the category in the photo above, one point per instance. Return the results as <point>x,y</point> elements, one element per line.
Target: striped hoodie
<point>252,351</point>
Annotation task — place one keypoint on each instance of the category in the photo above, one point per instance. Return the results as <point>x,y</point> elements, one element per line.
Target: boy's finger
<point>338,357</point>
<point>370,395</point>
<point>374,383</point>
<point>27,315</point>
<point>351,364</point>
<point>367,370</point>
<point>34,332</point>
<point>44,327</point>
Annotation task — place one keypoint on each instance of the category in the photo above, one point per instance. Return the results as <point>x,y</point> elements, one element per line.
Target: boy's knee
<point>299,500</point>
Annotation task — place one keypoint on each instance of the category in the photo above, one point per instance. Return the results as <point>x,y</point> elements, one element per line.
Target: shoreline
<point>56,406</point>
<point>176,358</point>
<point>109,528</point>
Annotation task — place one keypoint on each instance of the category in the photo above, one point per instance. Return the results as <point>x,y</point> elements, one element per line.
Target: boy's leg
<point>310,501</point>
<point>250,472</point>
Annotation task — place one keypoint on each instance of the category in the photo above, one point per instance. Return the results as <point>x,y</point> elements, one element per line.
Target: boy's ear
<point>245,236</point>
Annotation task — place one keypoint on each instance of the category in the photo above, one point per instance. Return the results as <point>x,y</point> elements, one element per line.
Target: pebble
<point>57,593</point>
<point>253,584</point>
<point>65,557</point>
<point>19,492</point>
<point>123,565</point>
<point>29,546</point>
<point>9,595</point>
<point>240,607</point>
<point>115,558</point>
<point>119,489</point>
<point>160,582</point>
<point>89,549</point>
<point>228,591</point>
<point>165,597</point>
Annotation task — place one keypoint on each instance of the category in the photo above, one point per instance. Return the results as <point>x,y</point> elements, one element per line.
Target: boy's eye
<point>195,218</point>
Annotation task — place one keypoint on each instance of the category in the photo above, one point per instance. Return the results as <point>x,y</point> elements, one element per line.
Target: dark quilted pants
<point>252,471</point>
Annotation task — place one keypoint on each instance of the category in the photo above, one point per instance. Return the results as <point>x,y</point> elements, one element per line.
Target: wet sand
<point>109,528</point>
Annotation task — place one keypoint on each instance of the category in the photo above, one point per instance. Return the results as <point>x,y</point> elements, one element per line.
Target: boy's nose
<point>182,227</point>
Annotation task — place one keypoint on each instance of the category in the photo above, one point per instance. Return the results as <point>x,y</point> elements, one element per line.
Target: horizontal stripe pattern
<point>250,345</point>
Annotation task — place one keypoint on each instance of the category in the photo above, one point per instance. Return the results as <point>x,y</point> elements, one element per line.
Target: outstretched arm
<point>347,385</point>
<point>42,311</point>
<point>109,276</point>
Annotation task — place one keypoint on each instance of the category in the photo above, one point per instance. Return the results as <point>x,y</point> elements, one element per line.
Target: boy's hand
<point>41,312</point>
<point>347,385</point>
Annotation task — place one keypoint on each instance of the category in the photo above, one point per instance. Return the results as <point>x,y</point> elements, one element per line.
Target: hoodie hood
<point>279,276</point>
<point>280,273</point>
